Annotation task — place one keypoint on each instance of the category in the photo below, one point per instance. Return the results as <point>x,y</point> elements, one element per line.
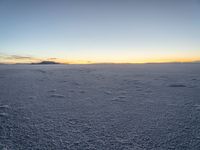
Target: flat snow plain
<point>100,107</point>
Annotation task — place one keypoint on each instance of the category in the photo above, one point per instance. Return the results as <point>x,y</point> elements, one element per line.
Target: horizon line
<point>103,63</point>
<point>27,59</point>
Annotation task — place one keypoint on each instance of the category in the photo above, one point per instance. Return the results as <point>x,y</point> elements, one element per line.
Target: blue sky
<point>100,31</point>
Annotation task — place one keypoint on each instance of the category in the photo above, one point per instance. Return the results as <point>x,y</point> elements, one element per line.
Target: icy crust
<point>100,107</point>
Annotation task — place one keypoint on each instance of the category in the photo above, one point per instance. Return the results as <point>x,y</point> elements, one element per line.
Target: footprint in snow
<point>108,92</point>
<point>53,90</point>
<point>121,97</point>
<point>4,107</point>
<point>82,91</point>
<point>194,79</point>
<point>118,99</point>
<point>57,96</point>
<point>32,97</point>
<point>177,85</point>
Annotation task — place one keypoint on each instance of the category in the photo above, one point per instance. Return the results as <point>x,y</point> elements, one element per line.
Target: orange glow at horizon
<point>166,60</point>
<point>109,57</point>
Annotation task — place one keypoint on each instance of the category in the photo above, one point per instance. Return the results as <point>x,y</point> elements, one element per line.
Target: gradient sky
<point>80,31</point>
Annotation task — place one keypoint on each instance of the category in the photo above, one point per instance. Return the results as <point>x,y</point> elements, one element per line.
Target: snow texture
<point>100,107</point>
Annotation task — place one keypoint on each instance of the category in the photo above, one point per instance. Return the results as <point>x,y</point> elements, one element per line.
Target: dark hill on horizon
<point>45,63</point>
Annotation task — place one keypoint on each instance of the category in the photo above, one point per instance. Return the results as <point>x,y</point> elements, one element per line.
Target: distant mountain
<point>45,63</point>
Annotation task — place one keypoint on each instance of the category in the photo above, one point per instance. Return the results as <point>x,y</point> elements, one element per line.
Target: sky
<point>99,31</point>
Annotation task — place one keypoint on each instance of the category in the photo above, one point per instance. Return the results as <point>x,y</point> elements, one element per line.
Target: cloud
<point>21,57</point>
<point>12,59</point>
<point>17,58</point>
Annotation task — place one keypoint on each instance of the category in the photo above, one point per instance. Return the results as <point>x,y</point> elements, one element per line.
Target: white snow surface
<point>100,107</point>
